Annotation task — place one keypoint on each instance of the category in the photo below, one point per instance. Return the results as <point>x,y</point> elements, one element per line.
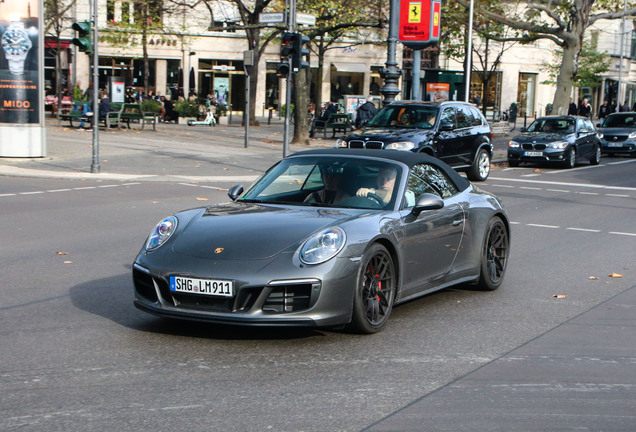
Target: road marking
<point>623,233</point>
<point>558,190</point>
<point>530,188</point>
<point>9,194</point>
<point>67,190</point>
<point>544,226</point>
<point>621,162</point>
<point>553,183</point>
<point>31,193</point>
<point>584,230</point>
<point>202,186</point>
<point>587,193</point>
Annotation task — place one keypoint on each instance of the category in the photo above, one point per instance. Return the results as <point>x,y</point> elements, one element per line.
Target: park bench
<point>337,122</point>
<point>75,114</point>
<point>132,112</point>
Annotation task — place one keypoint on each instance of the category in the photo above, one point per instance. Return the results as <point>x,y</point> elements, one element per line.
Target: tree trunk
<point>301,101</point>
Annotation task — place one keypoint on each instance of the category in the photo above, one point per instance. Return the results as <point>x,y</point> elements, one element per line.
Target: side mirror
<point>235,192</point>
<point>446,126</point>
<point>523,129</point>
<point>427,201</point>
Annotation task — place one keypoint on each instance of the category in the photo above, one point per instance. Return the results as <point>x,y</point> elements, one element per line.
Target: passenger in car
<point>332,179</point>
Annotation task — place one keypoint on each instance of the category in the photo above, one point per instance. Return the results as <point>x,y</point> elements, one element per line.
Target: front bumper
<point>547,155</point>
<point>618,147</point>
<point>273,295</point>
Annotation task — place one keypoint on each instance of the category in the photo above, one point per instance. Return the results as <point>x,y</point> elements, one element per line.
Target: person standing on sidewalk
<point>365,112</point>
<point>603,111</point>
<point>572,109</point>
<point>585,109</point>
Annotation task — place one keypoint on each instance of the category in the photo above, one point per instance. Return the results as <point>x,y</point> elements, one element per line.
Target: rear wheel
<point>374,292</point>
<point>494,256</point>
<point>481,166</point>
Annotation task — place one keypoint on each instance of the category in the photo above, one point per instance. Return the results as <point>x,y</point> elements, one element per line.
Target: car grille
<point>288,298</point>
<point>357,144</point>
<point>533,146</point>
<point>615,138</point>
<point>282,298</point>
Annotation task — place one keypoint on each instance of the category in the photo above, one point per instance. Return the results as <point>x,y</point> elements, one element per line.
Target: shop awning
<point>351,67</point>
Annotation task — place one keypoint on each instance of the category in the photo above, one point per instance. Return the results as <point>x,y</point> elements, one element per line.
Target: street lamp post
<point>391,73</point>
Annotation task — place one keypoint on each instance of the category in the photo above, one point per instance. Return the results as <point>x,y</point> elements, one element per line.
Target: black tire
<point>494,255</point>
<point>596,157</point>
<point>570,158</point>
<point>374,292</point>
<point>480,169</point>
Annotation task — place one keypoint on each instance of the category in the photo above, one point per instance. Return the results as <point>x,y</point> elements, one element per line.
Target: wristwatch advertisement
<point>22,131</point>
<point>16,45</point>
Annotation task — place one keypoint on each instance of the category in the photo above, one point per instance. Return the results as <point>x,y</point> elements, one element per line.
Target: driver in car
<point>385,182</point>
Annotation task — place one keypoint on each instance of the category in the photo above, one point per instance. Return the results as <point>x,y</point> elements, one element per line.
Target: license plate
<point>614,144</point>
<point>533,153</point>
<point>211,287</point>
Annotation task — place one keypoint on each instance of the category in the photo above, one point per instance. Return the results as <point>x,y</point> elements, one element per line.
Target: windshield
<point>328,181</point>
<point>621,121</point>
<point>422,117</point>
<point>552,125</point>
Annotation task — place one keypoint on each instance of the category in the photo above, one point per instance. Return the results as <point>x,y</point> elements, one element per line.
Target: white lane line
<point>584,230</point>
<point>623,233</point>
<point>31,193</point>
<point>529,188</point>
<point>587,193</point>
<point>558,190</point>
<point>544,226</point>
<point>502,186</point>
<point>621,162</point>
<point>618,195</point>
<point>8,195</point>
<point>108,186</point>
<point>85,188</point>
<point>70,190</point>
<point>201,186</point>
<point>58,190</point>
<point>552,183</point>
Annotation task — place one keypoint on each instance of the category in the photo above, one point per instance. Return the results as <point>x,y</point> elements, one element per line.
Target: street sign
<point>271,17</point>
<point>419,22</point>
<point>305,18</point>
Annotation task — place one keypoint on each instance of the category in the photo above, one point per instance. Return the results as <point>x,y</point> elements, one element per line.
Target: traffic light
<point>300,54</point>
<point>286,45</point>
<point>282,70</point>
<point>83,39</point>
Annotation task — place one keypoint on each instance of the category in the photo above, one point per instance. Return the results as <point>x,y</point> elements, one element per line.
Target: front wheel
<point>570,158</point>
<point>374,292</point>
<point>494,256</point>
<point>480,168</point>
<point>596,157</point>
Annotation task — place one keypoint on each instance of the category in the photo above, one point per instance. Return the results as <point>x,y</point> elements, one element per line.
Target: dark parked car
<point>325,238</point>
<point>618,133</point>
<point>556,139</point>
<point>455,132</point>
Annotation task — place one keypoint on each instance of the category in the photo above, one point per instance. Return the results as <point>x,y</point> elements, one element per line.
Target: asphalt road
<point>76,355</point>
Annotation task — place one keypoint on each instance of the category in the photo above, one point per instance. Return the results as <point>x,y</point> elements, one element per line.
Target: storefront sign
<point>438,92</point>
<point>21,95</point>
<point>419,22</point>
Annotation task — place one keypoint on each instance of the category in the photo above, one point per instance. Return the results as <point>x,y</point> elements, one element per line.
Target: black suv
<point>455,132</point>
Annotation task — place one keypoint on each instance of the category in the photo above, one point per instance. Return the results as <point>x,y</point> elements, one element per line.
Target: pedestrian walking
<point>585,110</point>
<point>572,109</point>
<point>603,111</point>
<point>365,112</point>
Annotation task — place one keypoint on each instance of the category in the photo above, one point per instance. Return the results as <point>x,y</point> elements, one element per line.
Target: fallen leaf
<point>202,199</point>
<point>559,296</point>
<point>615,275</point>
<point>593,278</point>
<point>68,262</point>
<point>62,253</point>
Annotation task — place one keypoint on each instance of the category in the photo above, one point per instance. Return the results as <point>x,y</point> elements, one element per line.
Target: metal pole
<point>95,167</point>
<point>391,73</point>
<point>291,24</point>
<point>469,54</point>
<point>620,66</point>
<point>416,94</point>
<point>247,107</point>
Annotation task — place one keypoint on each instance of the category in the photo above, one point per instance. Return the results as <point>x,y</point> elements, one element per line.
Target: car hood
<point>391,134</point>
<point>540,137</point>
<point>617,130</point>
<point>253,231</point>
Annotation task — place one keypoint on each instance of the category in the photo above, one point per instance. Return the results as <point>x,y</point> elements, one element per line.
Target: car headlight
<point>400,145</point>
<point>322,246</point>
<point>632,135</point>
<point>513,144</point>
<point>161,233</point>
<point>340,143</point>
<point>600,135</point>
<point>560,145</point>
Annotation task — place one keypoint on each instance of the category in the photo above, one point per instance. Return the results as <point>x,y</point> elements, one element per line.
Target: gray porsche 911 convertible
<point>325,238</point>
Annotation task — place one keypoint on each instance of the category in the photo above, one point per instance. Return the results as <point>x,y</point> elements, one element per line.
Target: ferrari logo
<point>218,250</point>
<point>415,12</point>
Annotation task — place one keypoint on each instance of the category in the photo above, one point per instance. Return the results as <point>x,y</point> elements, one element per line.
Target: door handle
<point>458,222</point>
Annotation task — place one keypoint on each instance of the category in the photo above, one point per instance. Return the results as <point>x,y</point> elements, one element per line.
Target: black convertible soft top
<point>406,157</point>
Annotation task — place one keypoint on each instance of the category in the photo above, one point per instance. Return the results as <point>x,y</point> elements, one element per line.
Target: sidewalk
<point>172,152</point>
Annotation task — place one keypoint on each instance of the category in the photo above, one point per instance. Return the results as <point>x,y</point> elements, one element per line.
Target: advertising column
<point>21,89</point>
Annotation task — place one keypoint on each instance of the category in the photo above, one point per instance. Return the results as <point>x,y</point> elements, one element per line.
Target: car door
<point>447,141</point>
<point>583,138</point>
<point>431,240</point>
